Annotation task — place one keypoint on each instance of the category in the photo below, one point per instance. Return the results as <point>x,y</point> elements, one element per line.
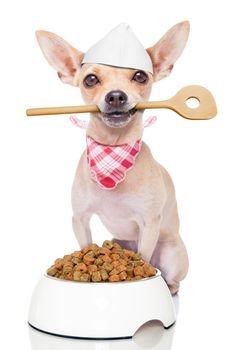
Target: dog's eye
<point>140,77</point>
<point>90,80</point>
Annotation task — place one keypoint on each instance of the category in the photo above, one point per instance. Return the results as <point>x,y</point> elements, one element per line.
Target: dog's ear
<point>169,48</point>
<point>65,59</point>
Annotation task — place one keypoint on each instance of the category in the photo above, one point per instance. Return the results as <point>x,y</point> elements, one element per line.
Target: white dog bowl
<point>104,310</point>
<point>150,336</point>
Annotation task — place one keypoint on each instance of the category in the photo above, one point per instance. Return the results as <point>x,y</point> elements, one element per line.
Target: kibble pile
<point>109,263</point>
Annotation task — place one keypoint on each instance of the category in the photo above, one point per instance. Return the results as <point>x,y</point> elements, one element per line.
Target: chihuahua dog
<point>141,212</point>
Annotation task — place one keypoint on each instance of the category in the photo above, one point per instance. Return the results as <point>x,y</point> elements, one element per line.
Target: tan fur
<point>141,212</point>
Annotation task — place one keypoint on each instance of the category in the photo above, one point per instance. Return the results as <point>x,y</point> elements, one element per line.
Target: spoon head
<point>206,108</point>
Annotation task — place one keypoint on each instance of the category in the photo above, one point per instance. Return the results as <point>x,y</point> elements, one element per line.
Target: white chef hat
<point>120,48</point>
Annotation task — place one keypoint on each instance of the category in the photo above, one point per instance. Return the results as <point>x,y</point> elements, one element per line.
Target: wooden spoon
<point>206,110</point>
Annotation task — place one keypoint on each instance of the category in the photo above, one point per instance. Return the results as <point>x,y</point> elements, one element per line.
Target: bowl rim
<point>158,274</point>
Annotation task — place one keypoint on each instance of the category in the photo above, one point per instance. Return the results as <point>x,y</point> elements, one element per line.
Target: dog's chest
<point>120,213</point>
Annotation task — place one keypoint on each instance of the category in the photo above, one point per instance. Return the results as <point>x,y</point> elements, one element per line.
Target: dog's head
<point>114,90</point>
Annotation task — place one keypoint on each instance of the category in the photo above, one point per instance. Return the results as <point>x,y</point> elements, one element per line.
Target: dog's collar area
<point>109,164</point>
<point>83,123</point>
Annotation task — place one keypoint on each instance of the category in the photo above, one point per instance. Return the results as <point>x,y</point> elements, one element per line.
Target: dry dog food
<point>109,263</point>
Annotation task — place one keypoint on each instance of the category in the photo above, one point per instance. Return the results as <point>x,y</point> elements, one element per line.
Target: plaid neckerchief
<point>109,164</point>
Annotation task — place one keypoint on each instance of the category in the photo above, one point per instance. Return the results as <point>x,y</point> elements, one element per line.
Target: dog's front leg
<point>148,237</point>
<point>82,229</point>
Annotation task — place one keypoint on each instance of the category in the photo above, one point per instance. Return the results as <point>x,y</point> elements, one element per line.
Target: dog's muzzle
<point>118,119</point>
<point>117,112</point>
<point>116,99</point>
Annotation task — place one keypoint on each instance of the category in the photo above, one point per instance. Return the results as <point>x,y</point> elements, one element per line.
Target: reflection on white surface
<point>151,336</point>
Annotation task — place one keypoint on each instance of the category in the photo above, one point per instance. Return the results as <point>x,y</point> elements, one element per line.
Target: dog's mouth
<point>118,119</point>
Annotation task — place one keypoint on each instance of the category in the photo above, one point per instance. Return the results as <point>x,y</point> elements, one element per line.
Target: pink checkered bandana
<point>109,164</point>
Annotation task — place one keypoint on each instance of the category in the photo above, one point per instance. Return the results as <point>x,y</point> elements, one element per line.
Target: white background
<point>39,155</point>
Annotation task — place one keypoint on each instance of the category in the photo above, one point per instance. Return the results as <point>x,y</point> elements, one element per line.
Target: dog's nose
<point>116,98</point>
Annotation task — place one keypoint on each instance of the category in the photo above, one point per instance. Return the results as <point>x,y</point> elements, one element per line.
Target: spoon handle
<point>207,108</point>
